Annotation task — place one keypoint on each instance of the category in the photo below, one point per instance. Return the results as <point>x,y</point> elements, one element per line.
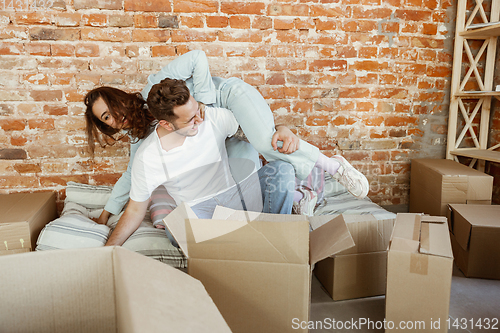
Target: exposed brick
<point>99,4</point>
<point>278,65</point>
<point>195,6</point>
<point>121,21</point>
<point>18,140</point>
<point>55,110</point>
<point>304,24</point>
<point>217,21</point>
<point>44,124</point>
<point>262,22</point>
<point>145,21</point>
<point>10,182</point>
<point>62,50</point>
<point>12,124</point>
<point>11,48</point>
<point>193,21</point>
<point>283,23</point>
<point>61,78</point>
<point>27,168</point>
<point>168,21</point>
<point>68,19</point>
<point>41,49</point>
<point>329,65</point>
<point>163,51</point>
<point>87,50</point>
<point>46,95</point>
<point>287,10</point>
<point>241,36</point>
<point>63,180</point>
<point>95,20</point>
<point>413,15</point>
<point>142,35</point>
<point>239,22</point>
<point>106,34</point>
<point>42,33</point>
<point>36,78</point>
<point>31,18</point>
<point>256,8</point>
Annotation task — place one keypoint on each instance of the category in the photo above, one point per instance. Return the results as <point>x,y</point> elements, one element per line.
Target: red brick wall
<point>369,78</point>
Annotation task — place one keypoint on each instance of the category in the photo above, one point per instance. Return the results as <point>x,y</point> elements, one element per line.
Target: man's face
<point>188,118</point>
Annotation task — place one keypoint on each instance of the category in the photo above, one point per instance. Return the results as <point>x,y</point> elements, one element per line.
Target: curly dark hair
<point>120,104</point>
<point>166,95</point>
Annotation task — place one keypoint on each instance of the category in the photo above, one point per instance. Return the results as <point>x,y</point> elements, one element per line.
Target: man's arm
<point>128,223</point>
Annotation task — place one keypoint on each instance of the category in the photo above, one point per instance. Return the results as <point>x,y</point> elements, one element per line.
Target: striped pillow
<point>72,231</point>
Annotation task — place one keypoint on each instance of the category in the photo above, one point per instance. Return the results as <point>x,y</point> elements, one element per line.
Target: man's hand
<point>128,223</point>
<point>290,141</point>
<point>104,217</point>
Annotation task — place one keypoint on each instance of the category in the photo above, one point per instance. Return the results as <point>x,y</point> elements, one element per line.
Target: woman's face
<point>101,111</point>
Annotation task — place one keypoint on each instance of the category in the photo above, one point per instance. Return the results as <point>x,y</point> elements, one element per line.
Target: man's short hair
<point>166,95</point>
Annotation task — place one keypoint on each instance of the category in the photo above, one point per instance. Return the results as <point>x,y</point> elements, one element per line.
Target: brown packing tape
<point>416,228</point>
<point>419,263</point>
<point>424,237</point>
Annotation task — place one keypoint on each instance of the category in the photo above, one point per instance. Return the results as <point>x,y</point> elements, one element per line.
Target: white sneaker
<point>307,204</point>
<point>353,180</point>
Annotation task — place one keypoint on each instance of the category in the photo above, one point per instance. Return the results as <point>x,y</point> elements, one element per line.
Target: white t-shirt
<point>192,173</point>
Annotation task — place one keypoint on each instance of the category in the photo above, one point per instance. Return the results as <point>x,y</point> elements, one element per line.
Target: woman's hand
<point>104,217</point>
<point>290,141</point>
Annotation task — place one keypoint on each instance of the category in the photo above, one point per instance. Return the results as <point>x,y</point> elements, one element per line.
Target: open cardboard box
<point>22,217</point>
<point>361,270</point>
<point>255,266</point>
<point>107,289</point>
<point>419,270</point>
<point>435,183</point>
<point>475,239</point>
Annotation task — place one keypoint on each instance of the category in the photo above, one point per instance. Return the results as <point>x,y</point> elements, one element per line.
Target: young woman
<point>111,111</point>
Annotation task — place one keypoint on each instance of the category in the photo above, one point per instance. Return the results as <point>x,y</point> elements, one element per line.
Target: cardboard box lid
<point>252,236</point>
<point>417,233</point>
<point>467,217</point>
<point>20,207</point>
<point>102,290</point>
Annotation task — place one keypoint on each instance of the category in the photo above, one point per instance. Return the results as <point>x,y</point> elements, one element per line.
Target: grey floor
<point>470,298</point>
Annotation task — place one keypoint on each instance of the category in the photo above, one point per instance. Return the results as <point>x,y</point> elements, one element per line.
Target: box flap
<point>175,222</point>
<point>20,207</point>
<point>466,217</point>
<point>433,230</point>
<point>479,215</point>
<point>368,233</point>
<point>417,233</point>
<point>329,239</point>
<point>261,241</point>
<point>170,301</point>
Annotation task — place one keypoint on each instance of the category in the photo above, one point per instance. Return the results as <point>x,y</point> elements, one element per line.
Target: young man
<point>186,153</point>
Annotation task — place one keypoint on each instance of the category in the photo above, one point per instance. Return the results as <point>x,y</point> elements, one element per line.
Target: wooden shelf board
<point>480,154</point>
<point>477,94</point>
<point>482,33</point>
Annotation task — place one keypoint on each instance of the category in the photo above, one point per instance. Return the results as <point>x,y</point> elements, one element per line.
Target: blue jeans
<point>269,190</point>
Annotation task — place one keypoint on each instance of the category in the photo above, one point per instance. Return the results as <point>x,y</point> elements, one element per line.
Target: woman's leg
<point>256,120</point>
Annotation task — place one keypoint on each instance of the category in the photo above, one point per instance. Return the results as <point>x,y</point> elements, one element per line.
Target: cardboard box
<point>22,217</point>
<point>107,289</point>
<point>419,269</point>
<point>361,270</point>
<point>475,239</point>
<point>257,267</point>
<point>436,183</point>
